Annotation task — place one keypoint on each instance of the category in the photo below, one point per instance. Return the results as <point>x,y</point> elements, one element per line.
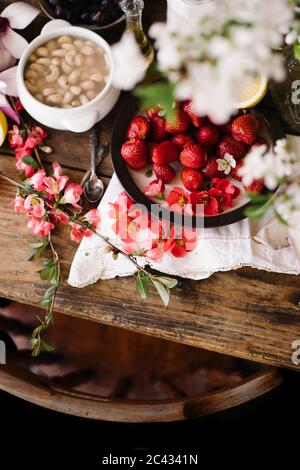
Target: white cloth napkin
<point>264,244</point>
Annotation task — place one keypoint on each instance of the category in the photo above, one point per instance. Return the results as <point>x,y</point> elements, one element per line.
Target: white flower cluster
<point>278,166</point>
<point>213,57</point>
<point>129,64</point>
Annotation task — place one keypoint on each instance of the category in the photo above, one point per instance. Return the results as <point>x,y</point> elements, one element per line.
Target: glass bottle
<point>133,10</point>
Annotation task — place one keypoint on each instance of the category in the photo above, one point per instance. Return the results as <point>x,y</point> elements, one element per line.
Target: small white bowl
<point>81,118</point>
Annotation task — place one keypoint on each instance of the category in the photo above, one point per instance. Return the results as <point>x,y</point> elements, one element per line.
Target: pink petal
<point>6,59</point>
<point>9,78</point>
<point>20,14</point>
<point>14,43</point>
<point>8,110</point>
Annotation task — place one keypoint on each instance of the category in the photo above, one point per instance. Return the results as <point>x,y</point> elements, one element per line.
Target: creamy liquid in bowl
<point>66,72</point>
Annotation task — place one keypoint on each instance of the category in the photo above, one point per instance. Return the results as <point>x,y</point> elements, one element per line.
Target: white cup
<point>81,118</point>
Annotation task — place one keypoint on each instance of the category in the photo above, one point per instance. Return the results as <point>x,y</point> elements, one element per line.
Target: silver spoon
<point>94,188</point>
<point>103,151</point>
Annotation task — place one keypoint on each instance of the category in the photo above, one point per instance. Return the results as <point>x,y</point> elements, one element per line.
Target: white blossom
<point>129,63</point>
<point>226,164</point>
<point>271,165</point>
<point>214,61</point>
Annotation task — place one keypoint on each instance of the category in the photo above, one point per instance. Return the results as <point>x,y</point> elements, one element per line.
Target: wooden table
<point>246,313</point>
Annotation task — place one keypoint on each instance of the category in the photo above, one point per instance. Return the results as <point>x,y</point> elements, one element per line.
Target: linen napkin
<point>265,244</point>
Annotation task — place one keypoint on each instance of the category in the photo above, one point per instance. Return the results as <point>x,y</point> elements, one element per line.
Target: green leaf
<point>44,303</point>
<point>48,293</point>
<point>157,94</point>
<point>48,347</point>
<point>297,51</point>
<point>36,245</point>
<point>30,161</point>
<point>142,285</point>
<point>162,290</point>
<point>280,218</point>
<point>170,282</point>
<point>31,254</point>
<point>258,198</point>
<point>256,212</point>
<point>44,274</point>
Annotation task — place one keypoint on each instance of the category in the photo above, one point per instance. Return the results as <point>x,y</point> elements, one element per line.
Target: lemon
<point>3,127</point>
<point>253,93</point>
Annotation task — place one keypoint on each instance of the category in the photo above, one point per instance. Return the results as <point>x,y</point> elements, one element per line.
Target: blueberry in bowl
<point>96,15</point>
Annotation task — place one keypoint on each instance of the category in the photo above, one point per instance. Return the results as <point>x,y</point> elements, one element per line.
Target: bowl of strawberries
<point>187,161</point>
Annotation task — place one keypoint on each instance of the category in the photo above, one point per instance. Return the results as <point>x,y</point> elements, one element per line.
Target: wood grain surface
<point>246,313</point>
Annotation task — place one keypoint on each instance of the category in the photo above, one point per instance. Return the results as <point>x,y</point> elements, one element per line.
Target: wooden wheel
<point>105,373</point>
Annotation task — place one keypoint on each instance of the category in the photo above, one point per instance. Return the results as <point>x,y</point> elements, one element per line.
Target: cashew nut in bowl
<point>68,97</point>
<point>87,85</point>
<point>55,99</point>
<point>54,73</point>
<point>74,76</point>
<point>69,58</point>
<point>66,68</point>
<point>76,90</point>
<point>42,51</point>
<point>49,91</point>
<point>43,60</point>
<point>29,73</point>
<point>64,82</point>
<point>64,39</point>
<point>38,68</point>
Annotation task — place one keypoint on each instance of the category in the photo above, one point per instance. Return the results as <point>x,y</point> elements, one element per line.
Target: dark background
<point>267,427</point>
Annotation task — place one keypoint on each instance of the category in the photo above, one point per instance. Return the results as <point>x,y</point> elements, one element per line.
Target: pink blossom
<point>78,232</point>
<point>22,152</point>
<point>93,217</point>
<point>21,166</point>
<point>59,216</point>
<point>72,195</point>
<point>57,170</point>
<point>155,188</point>
<point>35,205</point>
<point>156,252</point>
<point>38,133</point>
<point>14,137</point>
<point>37,180</point>
<point>19,204</point>
<point>39,226</point>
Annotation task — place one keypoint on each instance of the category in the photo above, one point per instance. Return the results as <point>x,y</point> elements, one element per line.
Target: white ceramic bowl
<point>78,119</point>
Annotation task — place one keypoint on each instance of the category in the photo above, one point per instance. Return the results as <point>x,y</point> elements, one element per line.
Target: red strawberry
<point>192,179</point>
<point>151,147</point>
<point>165,152</point>
<point>179,123</point>
<point>211,170</point>
<point>139,128</point>
<point>193,156</point>
<point>229,145</point>
<point>208,135</point>
<point>235,171</point>
<point>164,172</point>
<point>158,129</point>
<point>182,139</point>
<point>135,153</point>
<point>256,187</point>
<point>195,120</point>
<point>245,128</point>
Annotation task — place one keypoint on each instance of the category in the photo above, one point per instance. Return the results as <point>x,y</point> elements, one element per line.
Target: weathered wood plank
<point>246,313</point>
